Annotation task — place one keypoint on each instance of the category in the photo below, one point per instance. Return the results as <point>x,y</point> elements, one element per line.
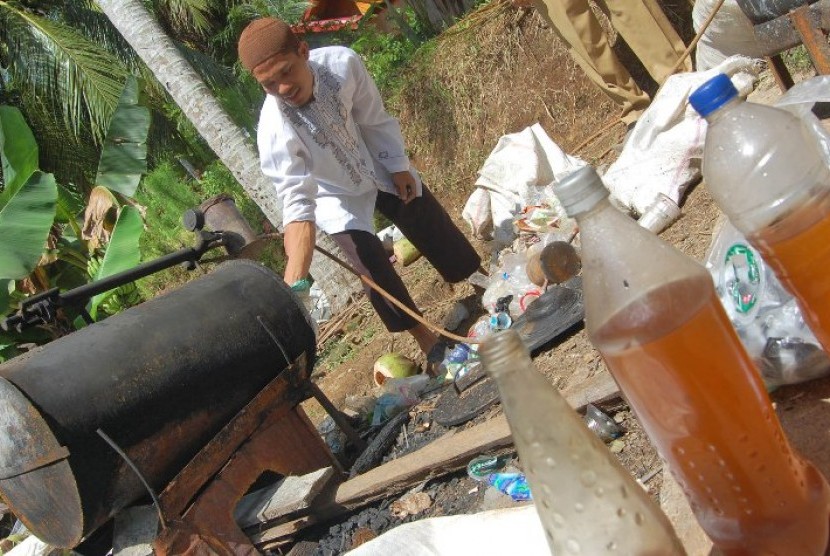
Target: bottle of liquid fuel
<point>653,314</point>
<point>764,169</point>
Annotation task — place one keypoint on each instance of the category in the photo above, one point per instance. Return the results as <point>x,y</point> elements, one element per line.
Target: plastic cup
<point>660,215</point>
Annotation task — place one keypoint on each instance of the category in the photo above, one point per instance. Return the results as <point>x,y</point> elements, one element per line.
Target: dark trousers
<point>427,225</point>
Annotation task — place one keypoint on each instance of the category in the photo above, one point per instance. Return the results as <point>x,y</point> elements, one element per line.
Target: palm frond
<point>71,157</point>
<point>242,13</point>
<point>93,24</point>
<point>50,60</point>
<point>187,17</point>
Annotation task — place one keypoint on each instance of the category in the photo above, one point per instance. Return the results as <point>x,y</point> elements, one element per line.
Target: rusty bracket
<point>808,23</point>
<point>781,33</point>
<point>200,470</point>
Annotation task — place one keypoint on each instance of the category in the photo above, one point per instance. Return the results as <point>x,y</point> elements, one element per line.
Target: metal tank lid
<point>35,476</point>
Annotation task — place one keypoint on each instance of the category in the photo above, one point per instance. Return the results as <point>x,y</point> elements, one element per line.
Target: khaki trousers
<point>641,23</point>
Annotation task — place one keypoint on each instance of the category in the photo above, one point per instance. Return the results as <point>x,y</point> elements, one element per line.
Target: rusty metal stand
<point>272,433</point>
<point>805,24</point>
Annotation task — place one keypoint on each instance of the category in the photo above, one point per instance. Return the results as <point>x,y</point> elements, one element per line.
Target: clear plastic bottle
<point>765,170</point>
<point>587,502</point>
<point>653,314</point>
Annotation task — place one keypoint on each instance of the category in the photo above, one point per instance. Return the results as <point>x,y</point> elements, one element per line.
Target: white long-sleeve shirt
<point>329,158</point>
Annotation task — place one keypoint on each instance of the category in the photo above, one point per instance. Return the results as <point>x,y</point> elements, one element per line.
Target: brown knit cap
<point>264,38</point>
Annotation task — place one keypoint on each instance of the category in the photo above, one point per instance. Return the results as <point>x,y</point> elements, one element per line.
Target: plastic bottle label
<point>742,277</point>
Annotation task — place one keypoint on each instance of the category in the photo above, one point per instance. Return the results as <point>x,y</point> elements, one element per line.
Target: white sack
<point>31,546</point>
<point>664,150</point>
<point>517,173</point>
<point>730,33</point>
<point>493,533</point>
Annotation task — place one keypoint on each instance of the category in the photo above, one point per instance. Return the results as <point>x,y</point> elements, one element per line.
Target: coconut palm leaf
<point>89,21</point>
<point>72,158</point>
<point>52,61</point>
<point>187,17</point>
<point>243,12</point>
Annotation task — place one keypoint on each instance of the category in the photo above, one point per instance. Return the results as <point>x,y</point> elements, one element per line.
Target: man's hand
<point>405,184</point>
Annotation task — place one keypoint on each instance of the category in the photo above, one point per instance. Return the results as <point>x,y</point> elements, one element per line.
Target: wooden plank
<point>289,495</point>
<point>453,450</point>
<point>283,530</point>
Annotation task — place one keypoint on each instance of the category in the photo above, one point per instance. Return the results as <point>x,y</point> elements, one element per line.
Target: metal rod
<point>337,417</point>
<point>807,23</point>
<point>274,338</point>
<point>141,478</point>
<point>83,293</point>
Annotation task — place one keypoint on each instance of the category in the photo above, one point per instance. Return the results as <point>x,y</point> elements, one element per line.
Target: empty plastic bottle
<point>765,170</point>
<point>653,314</point>
<point>587,502</point>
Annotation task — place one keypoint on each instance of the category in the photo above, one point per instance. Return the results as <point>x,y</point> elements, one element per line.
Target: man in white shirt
<point>335,155</point>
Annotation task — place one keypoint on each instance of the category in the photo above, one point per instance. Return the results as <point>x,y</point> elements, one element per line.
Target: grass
<point>167,192</point>
<point>797,59</point>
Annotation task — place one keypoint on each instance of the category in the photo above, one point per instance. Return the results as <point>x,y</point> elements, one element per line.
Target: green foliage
<point>167,192</point>
<point>18,149</point>
<point>217,179</point>
<point>50,60</point>
<point>124,156</point>
<point>26,216</point>
<point>122,253</point>
<point>797,59</point>
<point>243,12</point>
<point>5,299</point>
<point>386,55</point>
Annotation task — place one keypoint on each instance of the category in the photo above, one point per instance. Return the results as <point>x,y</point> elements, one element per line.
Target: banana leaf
<point>122,251</point>
<point>124,156</point>
<point>4,299</point>
<point>18,151</point>
<point>25,221</point>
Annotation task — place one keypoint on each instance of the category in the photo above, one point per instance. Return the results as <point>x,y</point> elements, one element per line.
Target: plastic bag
<point>664,150</point>
<point>477,214</point>
<point>730,32</point>
<point>766,317</point>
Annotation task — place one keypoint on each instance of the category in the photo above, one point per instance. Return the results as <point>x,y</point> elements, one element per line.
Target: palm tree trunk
<point>231,143</point>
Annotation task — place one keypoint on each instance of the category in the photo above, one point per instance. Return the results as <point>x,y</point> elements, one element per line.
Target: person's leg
<point>365,253</point>
<point>577,26</point>
<point>425,223</point>
<point>649,33</point>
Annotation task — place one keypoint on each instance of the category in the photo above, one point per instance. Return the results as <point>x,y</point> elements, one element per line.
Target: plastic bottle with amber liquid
<point>653,314</point>
<point>587,502</point>
<point>764,168</point>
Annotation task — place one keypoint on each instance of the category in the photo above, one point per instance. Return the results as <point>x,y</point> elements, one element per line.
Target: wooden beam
<point>455,449</point>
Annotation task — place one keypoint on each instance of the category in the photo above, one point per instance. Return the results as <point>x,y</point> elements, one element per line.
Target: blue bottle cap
<point>713,94</point>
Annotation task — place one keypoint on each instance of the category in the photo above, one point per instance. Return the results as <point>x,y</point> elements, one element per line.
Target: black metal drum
<point>160,379</point>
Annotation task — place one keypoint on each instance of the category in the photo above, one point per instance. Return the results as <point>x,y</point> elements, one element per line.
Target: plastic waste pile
<point>765,315</point>
<point>399,387</point>
<point>491,470</point>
